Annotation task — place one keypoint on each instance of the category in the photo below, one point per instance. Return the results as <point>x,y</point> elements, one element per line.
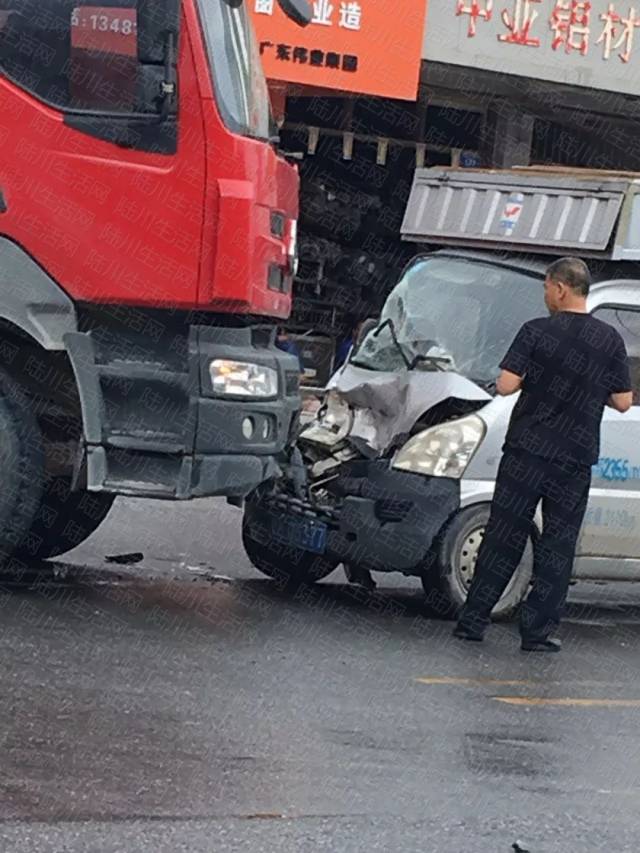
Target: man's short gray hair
<point>573,272</point>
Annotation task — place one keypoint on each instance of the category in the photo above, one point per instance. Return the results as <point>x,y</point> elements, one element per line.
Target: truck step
<point>138,489</point>
<point>150,441</point>
<point>143,372</point>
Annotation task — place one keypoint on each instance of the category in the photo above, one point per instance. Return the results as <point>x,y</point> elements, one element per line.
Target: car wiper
<point>389,324</point>
<point>437,360</point>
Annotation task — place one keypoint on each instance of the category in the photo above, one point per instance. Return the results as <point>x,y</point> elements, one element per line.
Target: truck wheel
<point>64,520</point>
<point>22,465</point>
<point>285,564</point>
<point>451,565</point>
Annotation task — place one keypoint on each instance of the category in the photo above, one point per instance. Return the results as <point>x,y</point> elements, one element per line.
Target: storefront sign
<point>367,46</point>
<point>576,42</point>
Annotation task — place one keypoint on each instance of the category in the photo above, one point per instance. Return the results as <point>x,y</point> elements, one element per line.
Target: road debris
<point>126,559</point>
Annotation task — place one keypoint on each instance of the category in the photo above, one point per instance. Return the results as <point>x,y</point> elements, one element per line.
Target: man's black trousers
<point>523,481</point>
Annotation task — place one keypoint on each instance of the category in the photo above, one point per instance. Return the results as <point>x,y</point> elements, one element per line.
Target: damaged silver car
<point>376,479</point>
<point>397,472</point>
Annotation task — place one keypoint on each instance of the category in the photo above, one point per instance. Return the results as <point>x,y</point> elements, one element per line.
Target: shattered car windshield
<point>466,311</point>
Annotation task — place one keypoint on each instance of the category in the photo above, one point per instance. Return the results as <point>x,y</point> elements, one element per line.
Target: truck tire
<point>450,567</point>
<point>289,566</point>
<point>22,462</point>
<point>64,520</point>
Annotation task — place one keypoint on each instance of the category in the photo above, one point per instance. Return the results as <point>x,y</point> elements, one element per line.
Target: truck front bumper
<point>152,424</point>
<point>387,521</point>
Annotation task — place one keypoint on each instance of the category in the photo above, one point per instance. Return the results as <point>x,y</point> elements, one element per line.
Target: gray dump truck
<point>397,472</point>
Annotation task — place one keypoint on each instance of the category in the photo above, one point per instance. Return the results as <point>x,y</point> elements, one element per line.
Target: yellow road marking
<point>481,682</point>
<point>568,702</point>
<point>475,682</point>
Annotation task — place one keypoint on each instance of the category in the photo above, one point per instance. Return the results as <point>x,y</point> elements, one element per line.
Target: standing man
<point>342,353</point>
<point>568,366</point>
<point>284,343</point>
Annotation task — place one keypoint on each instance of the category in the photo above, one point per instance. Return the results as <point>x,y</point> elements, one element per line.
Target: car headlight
<point>243,379</point>
<point>333,424</point>
<point>444,450</point>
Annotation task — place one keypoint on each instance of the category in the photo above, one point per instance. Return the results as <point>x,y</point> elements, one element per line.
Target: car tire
<point>287,565</point>
<point>22,462</point>
<point>449,569</point>
<point>64,520</point>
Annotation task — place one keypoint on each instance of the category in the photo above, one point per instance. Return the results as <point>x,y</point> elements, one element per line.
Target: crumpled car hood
<point>387,405</point>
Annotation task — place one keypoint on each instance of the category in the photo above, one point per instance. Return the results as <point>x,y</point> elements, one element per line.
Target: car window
<point>627,323</point>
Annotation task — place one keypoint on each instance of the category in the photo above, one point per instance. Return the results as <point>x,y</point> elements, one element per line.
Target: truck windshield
<point>238,78</point>
<point>465,310</point>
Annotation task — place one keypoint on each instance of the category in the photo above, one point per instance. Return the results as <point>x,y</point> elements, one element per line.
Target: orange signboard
<point>373,47</point>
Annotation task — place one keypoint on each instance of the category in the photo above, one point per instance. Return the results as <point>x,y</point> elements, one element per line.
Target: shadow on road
<point>215,598</point>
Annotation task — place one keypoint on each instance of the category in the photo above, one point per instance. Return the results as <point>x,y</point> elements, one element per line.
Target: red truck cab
<point>147,249</point>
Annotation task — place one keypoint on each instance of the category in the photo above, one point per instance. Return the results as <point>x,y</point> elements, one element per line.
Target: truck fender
<point>31,300</point>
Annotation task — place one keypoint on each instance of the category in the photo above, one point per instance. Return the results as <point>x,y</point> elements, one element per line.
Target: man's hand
<point>621,402</point>
<point>508,383</point>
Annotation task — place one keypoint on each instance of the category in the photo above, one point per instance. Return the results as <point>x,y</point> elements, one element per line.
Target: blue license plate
<point>304,533</point>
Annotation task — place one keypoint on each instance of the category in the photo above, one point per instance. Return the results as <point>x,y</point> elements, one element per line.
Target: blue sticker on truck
<point>616,470</point>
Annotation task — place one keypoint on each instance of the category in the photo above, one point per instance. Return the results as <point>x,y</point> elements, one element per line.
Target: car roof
<point>523,263</point>
<point>609,274</point>
<point>613,292</point>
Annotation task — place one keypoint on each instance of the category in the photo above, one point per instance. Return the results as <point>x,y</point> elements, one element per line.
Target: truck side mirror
<point>299,11</point>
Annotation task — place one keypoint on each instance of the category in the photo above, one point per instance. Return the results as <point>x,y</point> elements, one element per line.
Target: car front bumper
<point>387,520</point>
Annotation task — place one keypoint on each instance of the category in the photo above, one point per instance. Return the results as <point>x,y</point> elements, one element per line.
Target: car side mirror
<point>299,11</point>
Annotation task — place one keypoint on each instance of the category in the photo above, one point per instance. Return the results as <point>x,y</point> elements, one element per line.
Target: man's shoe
<point>360,577</point>
<point>462,634</point>
<point>549,645</point>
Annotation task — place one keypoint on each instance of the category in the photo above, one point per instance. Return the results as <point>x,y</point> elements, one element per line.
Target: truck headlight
<point>243,379</point>
<point>333,424</point>
<point>444,450</point>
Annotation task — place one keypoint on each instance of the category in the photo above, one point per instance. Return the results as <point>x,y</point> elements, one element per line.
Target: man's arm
<point>620,397</point>
<point>517,361</point>
<point>508,383</point>
<point>621,402</point>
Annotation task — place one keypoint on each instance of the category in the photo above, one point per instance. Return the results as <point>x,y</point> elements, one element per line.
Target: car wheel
<point>282,563</point>
<point>451,566</point>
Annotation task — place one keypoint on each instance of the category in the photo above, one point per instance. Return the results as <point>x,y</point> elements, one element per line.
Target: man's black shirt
<point>571,364</point>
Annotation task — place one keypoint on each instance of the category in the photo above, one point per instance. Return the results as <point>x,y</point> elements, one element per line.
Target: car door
<point>102,188</point>
<point>612,523</point>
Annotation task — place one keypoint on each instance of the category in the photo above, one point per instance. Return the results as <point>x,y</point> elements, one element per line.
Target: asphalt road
<point>186,704</point>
